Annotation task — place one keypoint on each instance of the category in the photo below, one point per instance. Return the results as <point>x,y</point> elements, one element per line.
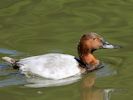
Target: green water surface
<point>34,27</point>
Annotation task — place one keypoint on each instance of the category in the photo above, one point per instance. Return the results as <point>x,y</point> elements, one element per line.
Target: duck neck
<point>86,54</point>
<point>88,59</point>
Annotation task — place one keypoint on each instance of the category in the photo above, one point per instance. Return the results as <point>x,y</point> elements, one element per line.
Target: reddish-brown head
<point>89,42</point>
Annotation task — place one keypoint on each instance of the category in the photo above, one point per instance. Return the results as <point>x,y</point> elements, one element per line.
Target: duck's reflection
<point>90,92</point>
<point>88,89</point>
<point>37,82</point>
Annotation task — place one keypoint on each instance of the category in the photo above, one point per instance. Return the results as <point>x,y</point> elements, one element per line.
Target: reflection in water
<point>9,52</point>
<point>90,92</point>
<point>37,82</point>
<point>9,77</point>
<point>107,93</point>
<point>106,71</point>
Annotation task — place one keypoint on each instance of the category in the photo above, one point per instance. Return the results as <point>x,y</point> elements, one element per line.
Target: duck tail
<point>11,61</point>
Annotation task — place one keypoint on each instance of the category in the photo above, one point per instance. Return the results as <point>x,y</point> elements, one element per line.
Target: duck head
<point>89,43</point>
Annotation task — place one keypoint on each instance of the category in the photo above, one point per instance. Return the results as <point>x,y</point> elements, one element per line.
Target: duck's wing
<point>55,66</point>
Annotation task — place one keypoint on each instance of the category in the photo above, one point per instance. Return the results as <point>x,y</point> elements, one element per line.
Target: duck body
<point>59,66</point>
<point>52,66</point>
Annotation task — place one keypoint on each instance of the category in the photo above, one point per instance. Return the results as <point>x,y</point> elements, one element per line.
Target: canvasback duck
<point>59,66</point>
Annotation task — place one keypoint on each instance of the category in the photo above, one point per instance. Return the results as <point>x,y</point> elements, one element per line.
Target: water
<point>33,27</point>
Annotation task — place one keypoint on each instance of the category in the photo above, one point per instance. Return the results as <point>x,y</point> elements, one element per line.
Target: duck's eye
<point>94,38</point>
